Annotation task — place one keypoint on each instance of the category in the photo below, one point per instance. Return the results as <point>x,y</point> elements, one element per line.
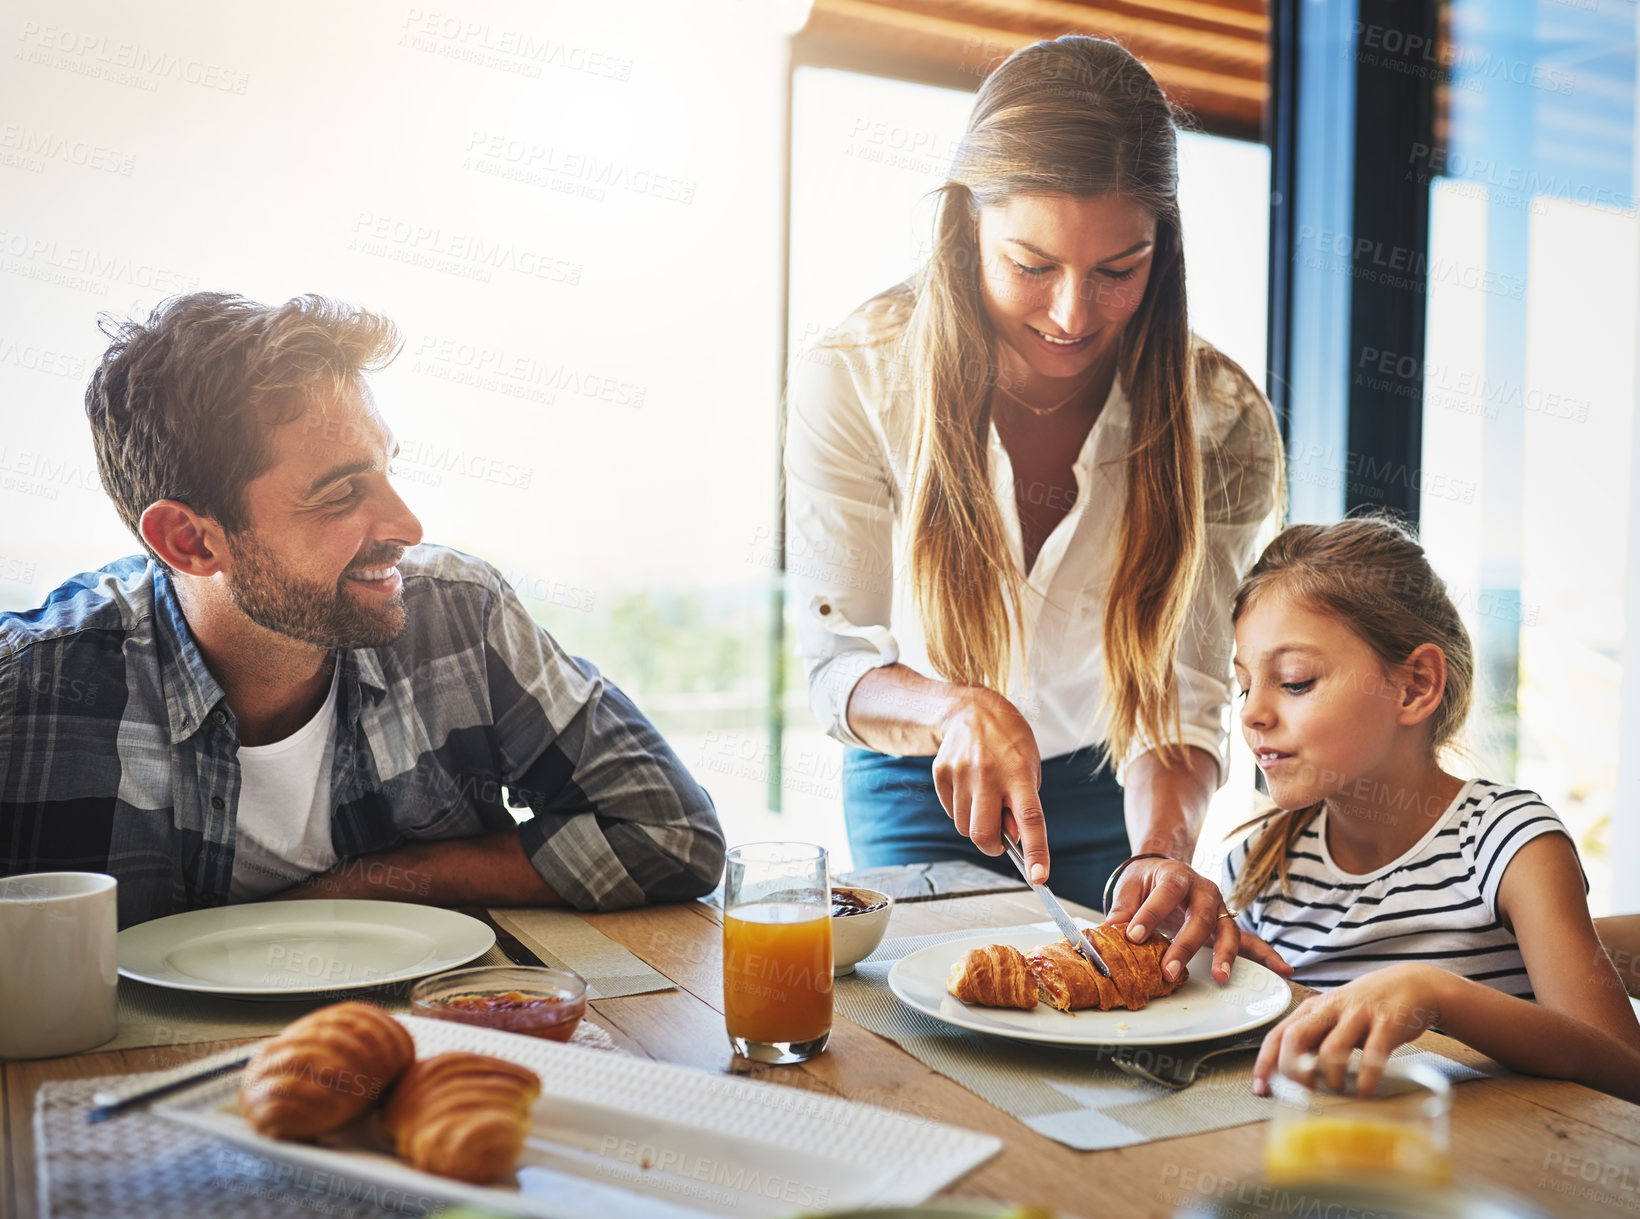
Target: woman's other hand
<point>1171,895</point>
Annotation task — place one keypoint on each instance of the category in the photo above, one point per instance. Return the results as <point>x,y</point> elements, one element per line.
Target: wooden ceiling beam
<point>1218,79</point>
<point>1237,50</point>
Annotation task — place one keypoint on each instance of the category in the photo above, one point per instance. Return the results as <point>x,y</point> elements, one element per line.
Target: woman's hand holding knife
<point>988,772</point>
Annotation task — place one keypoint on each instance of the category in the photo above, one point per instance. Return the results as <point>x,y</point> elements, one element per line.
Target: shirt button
<point>216,802</point>
<point>220,717</point>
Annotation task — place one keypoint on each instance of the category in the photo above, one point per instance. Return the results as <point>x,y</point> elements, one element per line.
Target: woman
<point>1020,493</point>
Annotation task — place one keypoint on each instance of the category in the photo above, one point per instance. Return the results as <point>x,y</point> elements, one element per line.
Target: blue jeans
<point>894,816</point>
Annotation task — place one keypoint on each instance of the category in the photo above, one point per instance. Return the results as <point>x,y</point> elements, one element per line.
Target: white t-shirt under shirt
<point>1437,903</point>
<point>282,832</point>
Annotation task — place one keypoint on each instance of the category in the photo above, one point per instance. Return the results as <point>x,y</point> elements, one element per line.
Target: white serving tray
<point>625,1138</point>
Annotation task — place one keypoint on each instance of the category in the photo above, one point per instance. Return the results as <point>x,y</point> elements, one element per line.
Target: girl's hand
<point>987,764</point>
<point>1169,893</point>
<point>1387,1008</point>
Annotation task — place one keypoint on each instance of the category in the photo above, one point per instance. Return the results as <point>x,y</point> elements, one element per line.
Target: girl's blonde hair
<point>1371,574</point>
<point>1077,116</point>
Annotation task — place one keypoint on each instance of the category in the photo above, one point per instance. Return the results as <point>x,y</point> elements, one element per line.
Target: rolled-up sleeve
<point>1240,489</point>
<point>618,820</point>
<point>839,534</point>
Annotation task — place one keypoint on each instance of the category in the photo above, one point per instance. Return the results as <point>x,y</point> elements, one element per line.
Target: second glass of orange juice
<point>1400,1134</point>
<point>777,951</point>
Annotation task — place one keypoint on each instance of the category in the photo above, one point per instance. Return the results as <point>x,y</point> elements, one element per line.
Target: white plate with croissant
<point>426,1110</point>
<point>1029,984</point>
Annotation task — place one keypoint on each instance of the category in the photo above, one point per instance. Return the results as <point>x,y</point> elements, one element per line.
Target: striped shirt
<point>119,751</point>
<point>1438,903</point>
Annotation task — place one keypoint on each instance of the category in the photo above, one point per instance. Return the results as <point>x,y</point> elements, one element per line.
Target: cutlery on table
<point>513,949</point>
<point>111,1102</point>
<point>1061,918</point>
<point>1172,1071</point>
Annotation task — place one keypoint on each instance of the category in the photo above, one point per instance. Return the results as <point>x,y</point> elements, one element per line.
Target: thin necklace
<point>1041,410</point>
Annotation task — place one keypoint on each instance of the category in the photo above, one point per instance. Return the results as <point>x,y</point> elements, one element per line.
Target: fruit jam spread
<point>848,901</point>
<point>546,1016</point>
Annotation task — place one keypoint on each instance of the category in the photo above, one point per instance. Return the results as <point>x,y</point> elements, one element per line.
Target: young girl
<point>1410,897</point>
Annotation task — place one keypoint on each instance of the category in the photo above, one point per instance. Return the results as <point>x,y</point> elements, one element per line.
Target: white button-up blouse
<point>848,468</point>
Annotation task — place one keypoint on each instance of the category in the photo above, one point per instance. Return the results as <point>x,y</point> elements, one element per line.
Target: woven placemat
<point>1075,1097</point>
<point>141,1166</point>
<point>564,940</point>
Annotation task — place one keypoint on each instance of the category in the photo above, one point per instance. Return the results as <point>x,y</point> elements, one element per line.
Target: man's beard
<point>312,612</point>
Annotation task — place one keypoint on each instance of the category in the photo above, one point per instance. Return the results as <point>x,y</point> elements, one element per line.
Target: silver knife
<point>1061,917</point>
<point>142,1088</point>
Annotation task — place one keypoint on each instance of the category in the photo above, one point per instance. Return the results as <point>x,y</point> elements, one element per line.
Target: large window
<point>571,212</point>
<point>574,217</point>
<point>1529,391</point>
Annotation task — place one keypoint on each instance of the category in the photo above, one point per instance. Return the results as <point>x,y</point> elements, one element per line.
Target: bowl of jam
<point>859,917</point>
<point>535,1002</point>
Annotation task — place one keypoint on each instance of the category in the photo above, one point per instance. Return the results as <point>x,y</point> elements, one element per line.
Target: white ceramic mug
<point>58,966</point>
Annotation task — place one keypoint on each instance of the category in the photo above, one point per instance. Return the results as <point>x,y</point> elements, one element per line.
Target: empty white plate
<point>279,949</point>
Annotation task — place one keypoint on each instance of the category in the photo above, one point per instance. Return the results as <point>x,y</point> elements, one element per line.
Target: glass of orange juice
<point>777,951</point>
<point>1399,1134</point>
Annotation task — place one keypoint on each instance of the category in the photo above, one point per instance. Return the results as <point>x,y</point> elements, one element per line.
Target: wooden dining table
<point>1565,1148</point>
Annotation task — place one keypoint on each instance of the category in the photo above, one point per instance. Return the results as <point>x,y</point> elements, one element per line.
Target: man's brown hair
<point>181,405</point>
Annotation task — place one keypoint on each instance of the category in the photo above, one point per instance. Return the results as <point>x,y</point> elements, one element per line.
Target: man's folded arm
<point>618,819</point>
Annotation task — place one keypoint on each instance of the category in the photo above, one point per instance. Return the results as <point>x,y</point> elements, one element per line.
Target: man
<point>289,695</point>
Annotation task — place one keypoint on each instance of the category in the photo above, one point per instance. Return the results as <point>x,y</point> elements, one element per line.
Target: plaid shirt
<point>119,752</point>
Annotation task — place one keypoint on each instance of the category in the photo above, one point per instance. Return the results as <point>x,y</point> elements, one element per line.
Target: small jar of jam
<point>535,1002</point>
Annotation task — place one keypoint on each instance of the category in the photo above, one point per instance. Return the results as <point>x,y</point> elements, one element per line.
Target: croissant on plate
<point>324,1070</point>
<point>996,975</point>
<point>1067,981</point>
<point>462,1115</point>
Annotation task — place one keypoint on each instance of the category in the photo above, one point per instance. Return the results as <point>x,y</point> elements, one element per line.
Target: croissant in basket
<point>324,1070</point>
<point>1067,981</point>
<point>462,1115</point>
<point>996,975</point>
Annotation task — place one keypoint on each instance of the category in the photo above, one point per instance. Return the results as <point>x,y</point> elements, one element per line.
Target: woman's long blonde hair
<point>1371,574</point>
<point>1077,116</point>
